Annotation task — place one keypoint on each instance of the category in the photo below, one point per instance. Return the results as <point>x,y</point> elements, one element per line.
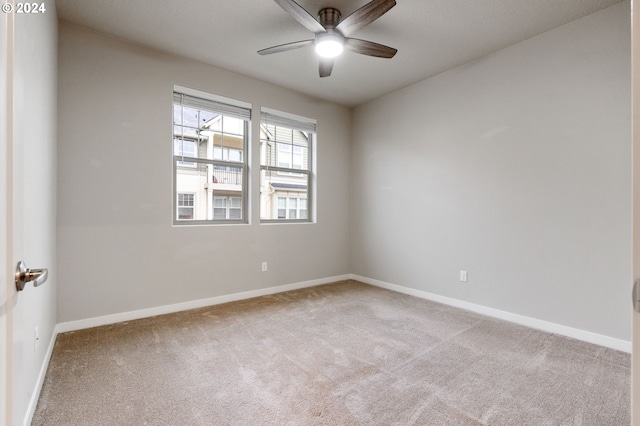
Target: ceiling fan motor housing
<point>329,17</point>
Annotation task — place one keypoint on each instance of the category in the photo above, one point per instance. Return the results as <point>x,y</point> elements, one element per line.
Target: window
<point>284,155</point>
<point>290,156</point>
<point>292,208</point>
<point>210,140</point>
<point>185,206</point>
<point>227,207</point>
<point>227,154</point>
<point>286,146</point>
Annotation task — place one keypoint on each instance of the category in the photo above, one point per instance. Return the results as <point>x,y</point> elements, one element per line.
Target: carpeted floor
<point>338,354</point>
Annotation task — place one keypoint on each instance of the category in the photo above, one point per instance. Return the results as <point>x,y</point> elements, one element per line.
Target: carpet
<point>337,354</point>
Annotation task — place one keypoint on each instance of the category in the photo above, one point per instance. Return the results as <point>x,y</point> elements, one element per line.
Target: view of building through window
<point>209,145</point>
<point>285,168</point>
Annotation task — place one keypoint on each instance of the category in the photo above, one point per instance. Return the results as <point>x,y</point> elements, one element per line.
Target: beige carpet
<point>338,354</point>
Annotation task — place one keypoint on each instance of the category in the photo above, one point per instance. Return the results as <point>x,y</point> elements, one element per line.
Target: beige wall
<point>118,250</point>
<point>515,167</point>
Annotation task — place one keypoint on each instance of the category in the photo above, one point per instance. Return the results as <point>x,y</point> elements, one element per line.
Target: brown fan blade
<point>301,15</point>
<point>285,47</point>
<point>326,66</point>
<point>364,16</point>
<point>369,48</point>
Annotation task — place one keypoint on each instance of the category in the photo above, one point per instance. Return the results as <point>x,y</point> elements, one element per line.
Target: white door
<point>6,346</point>
<point>635,73</point>
<point>27,203</point>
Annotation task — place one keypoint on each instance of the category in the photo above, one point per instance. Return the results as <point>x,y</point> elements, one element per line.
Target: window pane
<point>235,208</point>
<point>282,191</point>
<point>235,155</point>
<point>227,174</point>
<point>185,148</point>
<point>284,155</point>
<point>225,136</point>
<point>201,180</point>
<point>185,213</point>
<point>293,206</point>
<point>220,208</point>
<point>217,153</point>
<point>298,158</point>
<point>185,199</point>
<point>282,209</point>
<point>209,157</point>
<point>190,178</point>
<point>276,188</point>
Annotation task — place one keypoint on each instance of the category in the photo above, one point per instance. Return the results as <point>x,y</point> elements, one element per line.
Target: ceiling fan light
<point>329,46</point>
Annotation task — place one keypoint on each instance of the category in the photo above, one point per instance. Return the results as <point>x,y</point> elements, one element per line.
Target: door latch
<point>24,275</point>
<point>636,295</point>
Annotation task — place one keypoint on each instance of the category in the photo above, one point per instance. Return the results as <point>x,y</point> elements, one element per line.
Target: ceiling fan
<point>332,32</point>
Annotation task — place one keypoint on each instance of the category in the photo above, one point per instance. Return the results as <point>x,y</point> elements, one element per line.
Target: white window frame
<point>226,108</point>
<point>296,123</point>
<point>181,206</point>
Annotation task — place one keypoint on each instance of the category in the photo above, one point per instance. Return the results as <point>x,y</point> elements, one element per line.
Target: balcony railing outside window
<point>227,175</point>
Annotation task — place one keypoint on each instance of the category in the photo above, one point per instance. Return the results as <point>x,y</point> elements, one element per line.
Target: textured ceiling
<point>431,36</point>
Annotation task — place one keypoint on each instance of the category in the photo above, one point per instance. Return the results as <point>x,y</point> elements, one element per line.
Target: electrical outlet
<point>36,339</point>
<point>265,267</point>
<point>463,276</point>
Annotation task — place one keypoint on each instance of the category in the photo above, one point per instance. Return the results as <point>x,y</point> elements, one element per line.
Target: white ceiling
<point>431,36</point>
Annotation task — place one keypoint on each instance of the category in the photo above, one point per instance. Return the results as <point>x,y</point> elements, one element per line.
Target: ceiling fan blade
<point>364,16</point>
<point>326,66</point>
<point>285,47</point>
<point>369,48</point>
<point>301,15</point>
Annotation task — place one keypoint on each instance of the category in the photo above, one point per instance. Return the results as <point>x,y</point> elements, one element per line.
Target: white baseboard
<point>35,395</point>
<point>587,336</point>
<point>168,309</point>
